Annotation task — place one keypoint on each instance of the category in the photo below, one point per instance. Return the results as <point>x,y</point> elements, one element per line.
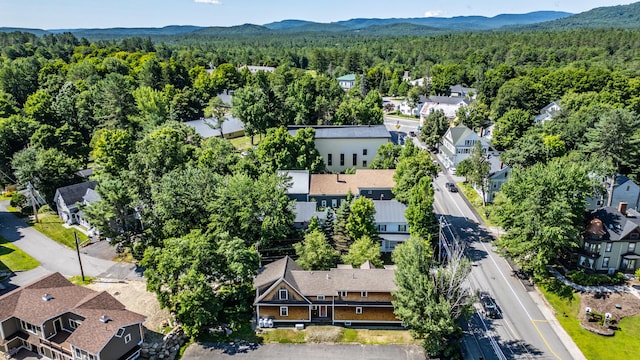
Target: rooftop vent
<point>47,297</point>
<point>105,319</point>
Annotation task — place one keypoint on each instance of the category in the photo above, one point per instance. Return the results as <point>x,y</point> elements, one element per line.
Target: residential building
<point>347,82</point>
<point>298,188</point>
<point>457,144</point>
<point>253,69</point>
<point>304,211</point>
<point>420,81</point>
<point>610,240</point>
<point>348,147</point>
<point>461,91</point>
<point>548,112</point>
<point>231,127</point>
<point>56,319</point>
<point>288,295</point>
<point>67,199</point>
<point>391,224</point>
<point>332,189</point>
<point>406,109</point>
<point>448,104</point>
<point>624,190</point>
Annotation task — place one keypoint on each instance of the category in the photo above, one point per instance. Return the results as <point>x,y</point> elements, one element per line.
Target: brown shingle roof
<point>27,303</point>
<point>275,270</point>
<point>340,184</point>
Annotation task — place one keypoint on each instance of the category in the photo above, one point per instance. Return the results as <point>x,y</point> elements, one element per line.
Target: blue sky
<point>65,14</point>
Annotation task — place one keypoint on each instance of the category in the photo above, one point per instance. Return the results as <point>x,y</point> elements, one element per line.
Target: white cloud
<point>433,13</point>
<point>212,2</point>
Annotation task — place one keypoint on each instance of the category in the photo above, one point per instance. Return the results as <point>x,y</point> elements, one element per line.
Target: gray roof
<point>304,211</point>
<point>274,271</point>
<point>616,225</point>
<point>73,193</point>
<point>461,89</point>
<point>459,133</point>
<point>389,211</point>
<point>208,127</point>
<point>450,100</point>
<point>299,181</point>
<point>621,179</point>
<point>346,132</point>
<point>91,196</point>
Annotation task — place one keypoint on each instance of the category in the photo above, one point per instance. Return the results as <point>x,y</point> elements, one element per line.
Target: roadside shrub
<point>323,334</point>
<point>44,209</point>
<point>581,278</point>
<point>18,200</point>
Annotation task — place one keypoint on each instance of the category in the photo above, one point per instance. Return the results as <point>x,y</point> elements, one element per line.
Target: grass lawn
<point>14,259</point>
<point>623,345</point>
<point>244,142</point>
<point>475,200</point>
<point>51,225</point>
<point>336,334</point>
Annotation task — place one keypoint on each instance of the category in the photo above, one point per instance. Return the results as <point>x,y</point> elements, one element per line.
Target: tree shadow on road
<point>232,348</point>
<point>515,349</point>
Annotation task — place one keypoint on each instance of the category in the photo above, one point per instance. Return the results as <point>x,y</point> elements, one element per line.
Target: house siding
<point>116,346</point>
<point>369,314</point>
<point>274,294</point>
<point>355,296</point>
<point>348,147</point>
<point>299,197</point>
<point>377,194</point>
<point>10,327</point>
<point>296,313</point>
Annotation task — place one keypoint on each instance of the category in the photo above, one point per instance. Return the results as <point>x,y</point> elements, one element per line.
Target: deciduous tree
<point>315,252</point>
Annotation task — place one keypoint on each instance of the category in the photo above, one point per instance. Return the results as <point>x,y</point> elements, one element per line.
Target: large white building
<point>457,144</point>
<point>348,147</point>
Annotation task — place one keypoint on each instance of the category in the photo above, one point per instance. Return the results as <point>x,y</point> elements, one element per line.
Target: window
<point>341,159</point>
<point>608,247</point>
<point>127,338</point>
<point>363,294</point>
<point>330,159</point>
<point>364,152</point>
<point>382,228</point>
<point>334,202</point>
<point>120,332</point>
<point>323,203</point>
<point>355,159</point>
<point>284,311</point>
<point>633,236</point>
<point>632,247</point>
<point>29,327</point>
<point>605,262</point>
<point>73,324</point>
<point>370,192</point>
<point>342,293</point>
<point>283,294</point>
<point>320,297</point>
<point>364,163</point>
<point>359,310</point>
<point>402,227</point>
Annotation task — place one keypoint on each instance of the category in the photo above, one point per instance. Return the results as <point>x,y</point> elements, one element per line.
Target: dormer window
<point>120,332</point>
<point>73,324</point>
<point>283,294</point>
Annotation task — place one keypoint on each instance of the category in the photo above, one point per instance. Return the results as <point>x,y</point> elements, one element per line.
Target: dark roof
<point>73,193</point>
<point>616,225</point>
<point>28,303</point>
<point>346,132</point>
<point>91,196</point>
<point>274,271</point>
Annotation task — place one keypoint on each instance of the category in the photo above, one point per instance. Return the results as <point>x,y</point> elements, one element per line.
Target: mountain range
<point>622,16</point>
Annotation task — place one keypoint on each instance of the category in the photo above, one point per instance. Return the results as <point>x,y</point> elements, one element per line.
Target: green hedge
<point>581,278</point>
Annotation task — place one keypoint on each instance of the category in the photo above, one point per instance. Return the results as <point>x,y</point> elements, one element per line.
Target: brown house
<point>287,294</point>
<point>59,320</point>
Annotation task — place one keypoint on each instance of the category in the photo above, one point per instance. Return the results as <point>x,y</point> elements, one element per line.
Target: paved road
<point>306,352</point>
<point>527,329</point>
<point>400,128</point>
<point>52,256</point>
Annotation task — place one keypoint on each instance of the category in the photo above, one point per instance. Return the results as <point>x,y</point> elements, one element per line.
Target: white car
<point>452,170</point>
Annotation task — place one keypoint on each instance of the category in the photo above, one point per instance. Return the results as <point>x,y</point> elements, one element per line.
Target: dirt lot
<point>134,295</point>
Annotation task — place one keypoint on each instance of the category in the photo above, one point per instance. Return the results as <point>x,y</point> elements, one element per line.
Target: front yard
<point>336,334</point>
<point>476,201</point>
<point>569,308</point>
<point>50,225</point>
<point>14,259</point>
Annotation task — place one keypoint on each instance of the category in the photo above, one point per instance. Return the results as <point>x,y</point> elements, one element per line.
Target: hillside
<point>621,16</point>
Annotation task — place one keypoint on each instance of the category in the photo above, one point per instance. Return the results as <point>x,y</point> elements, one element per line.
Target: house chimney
<point>104,318</point>
<point>337,177</point>
<point>501,165</point>
<point>622,207</point>
<point>381,196</point>
<point>47,297</point>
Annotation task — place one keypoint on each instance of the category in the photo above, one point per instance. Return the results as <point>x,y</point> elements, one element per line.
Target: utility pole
<point>33,200</point>
<point>75,236</point>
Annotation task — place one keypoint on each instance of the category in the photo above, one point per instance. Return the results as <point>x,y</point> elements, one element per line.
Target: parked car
<point>489,307</point>
<point>452,170</point>
<point>412,133</point>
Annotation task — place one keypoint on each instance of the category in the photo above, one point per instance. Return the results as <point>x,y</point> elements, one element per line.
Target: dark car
<point>451,187</point>
<point>412,133</point>
<point>489,307</point>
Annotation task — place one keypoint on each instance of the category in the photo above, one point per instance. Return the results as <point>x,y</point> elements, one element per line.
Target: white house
<point>347,81</point>
<point>391,223</point>
<point>67,199</point>
<point>254,69</point>
<point>548,112</point>
<point>624,190</point>
<point>457,144</point>
<point>498,175</point>
<point>231,127</point>
<point>461,91</point>
<point>448,104</point>
<point>407,110</point>
<point>345,147</point>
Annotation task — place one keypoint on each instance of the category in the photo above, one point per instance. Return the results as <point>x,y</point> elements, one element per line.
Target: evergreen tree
<point>327,226</point>
<point>341,239</point>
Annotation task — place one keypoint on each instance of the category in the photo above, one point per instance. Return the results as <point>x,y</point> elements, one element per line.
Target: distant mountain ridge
<point>622,16</point>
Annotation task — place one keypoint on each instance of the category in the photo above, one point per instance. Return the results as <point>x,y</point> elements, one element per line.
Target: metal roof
<point>346,132</point>
<point>389,211</point>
